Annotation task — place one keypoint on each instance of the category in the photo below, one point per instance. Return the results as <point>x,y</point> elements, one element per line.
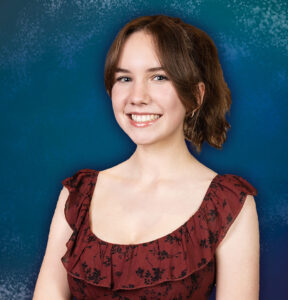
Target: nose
<point>139,93</point>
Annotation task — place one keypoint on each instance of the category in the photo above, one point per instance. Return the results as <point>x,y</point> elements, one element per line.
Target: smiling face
<point>142,87</point>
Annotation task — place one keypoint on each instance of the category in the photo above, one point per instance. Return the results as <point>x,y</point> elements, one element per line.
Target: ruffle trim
<point>172,257</point>
<point>79,186</point>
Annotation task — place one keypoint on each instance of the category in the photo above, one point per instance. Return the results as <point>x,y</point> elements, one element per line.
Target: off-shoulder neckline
<point>196,213</point>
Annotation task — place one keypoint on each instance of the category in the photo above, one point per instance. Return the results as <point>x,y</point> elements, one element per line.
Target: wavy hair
<point>189,56</point>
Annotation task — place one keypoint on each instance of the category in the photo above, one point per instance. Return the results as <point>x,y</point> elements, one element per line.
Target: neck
<point>162,160</point>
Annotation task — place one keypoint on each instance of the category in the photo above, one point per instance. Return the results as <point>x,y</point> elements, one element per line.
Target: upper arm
<point>52,279</point>
<point>237,257</point>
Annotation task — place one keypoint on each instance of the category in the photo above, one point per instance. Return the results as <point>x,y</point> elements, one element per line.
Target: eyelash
<point>158,75</point>
<point>164,77</point>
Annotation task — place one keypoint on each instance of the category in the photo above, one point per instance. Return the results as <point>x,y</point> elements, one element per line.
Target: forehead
<point>138,50</point>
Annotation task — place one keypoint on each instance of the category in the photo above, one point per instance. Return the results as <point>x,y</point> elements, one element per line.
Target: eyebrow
<point>118,70</point>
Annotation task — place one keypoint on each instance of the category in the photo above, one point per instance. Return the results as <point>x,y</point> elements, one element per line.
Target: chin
<point>147,140</point>
<point>143,141</point>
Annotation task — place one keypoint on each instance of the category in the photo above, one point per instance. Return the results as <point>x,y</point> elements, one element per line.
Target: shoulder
<point>236,183</point>
<point>77,189</point>
<point>78,180</point>
<point>229,192</point>
<point>237,256</point>
<point>237,250</point>
<point>229,201</point>
<point>243,227</point>
<point>238,208</point>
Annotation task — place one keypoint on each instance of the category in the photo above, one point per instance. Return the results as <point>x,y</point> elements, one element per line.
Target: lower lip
<point>143,124</point>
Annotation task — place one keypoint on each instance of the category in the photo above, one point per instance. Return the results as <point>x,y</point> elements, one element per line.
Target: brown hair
<point>189,56</point>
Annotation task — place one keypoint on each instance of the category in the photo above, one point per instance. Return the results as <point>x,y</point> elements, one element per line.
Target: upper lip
<point>142,113</point>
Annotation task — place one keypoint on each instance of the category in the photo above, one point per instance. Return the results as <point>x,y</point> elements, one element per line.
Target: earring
<point>190,115</point>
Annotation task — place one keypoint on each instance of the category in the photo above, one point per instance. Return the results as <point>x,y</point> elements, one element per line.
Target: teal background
<point>56,118</point>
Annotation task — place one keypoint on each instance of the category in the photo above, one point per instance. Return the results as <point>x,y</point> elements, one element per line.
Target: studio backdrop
<point>56,117</point>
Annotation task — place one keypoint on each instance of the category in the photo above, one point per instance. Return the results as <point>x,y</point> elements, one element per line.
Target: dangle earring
<point>189,115</point>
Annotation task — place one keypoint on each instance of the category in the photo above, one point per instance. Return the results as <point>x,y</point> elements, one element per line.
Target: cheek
<point>119,93</point>
<point>117,106</point>
<point>171,101</point>
<point>116,99</point>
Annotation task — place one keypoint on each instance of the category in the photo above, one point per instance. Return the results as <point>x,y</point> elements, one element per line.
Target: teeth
<point>144,118</point>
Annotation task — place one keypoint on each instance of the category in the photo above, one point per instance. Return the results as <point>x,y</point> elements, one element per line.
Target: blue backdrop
<point>56,117</point>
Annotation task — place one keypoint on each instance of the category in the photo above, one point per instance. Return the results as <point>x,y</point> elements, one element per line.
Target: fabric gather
<point>187,250</point>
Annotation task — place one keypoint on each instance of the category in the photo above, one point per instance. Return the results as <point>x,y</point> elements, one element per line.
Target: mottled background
<point>56,118</point>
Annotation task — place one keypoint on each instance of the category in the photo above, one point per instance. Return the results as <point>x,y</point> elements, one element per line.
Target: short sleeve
<point>227,202</point>
<point>79,186</point>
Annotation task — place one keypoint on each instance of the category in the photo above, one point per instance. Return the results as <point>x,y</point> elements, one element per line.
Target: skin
<point>143,91</point>
<point>161,161</point>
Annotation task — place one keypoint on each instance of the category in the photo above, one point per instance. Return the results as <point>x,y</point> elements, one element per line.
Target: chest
<point>129,214</point>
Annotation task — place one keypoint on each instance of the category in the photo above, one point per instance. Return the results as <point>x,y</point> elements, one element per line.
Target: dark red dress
<point>179,265</point>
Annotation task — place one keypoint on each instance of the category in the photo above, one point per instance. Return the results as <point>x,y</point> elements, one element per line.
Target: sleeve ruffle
<point>187,250</point>
<point>227,203</point>
<point>77,185</point>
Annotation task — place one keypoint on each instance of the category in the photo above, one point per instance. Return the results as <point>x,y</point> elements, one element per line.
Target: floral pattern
<point>180,265</point>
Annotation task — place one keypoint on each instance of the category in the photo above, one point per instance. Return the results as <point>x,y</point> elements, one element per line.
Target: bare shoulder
<point>113,173</point>
<point>237,256</point>
<point>246,220</point>
<point>52,279</point>
<point>63,196</point>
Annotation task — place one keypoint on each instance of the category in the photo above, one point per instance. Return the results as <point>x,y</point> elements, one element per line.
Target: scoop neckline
<point>94,181</point>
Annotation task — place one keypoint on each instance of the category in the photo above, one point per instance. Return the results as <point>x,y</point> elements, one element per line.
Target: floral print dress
<point>180,265</point>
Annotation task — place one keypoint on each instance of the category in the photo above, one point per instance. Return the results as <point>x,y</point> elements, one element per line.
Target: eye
<point>160,77</point>
<point>123,79</point>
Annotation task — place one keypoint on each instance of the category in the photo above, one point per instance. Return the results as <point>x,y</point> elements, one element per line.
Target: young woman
<point>159,225</point>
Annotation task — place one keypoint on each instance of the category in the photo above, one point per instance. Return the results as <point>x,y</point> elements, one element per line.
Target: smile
<point>143,120</point>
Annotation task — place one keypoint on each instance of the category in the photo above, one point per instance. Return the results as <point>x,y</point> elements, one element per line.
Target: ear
<point>201,87</point>
<point>200,97</point>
